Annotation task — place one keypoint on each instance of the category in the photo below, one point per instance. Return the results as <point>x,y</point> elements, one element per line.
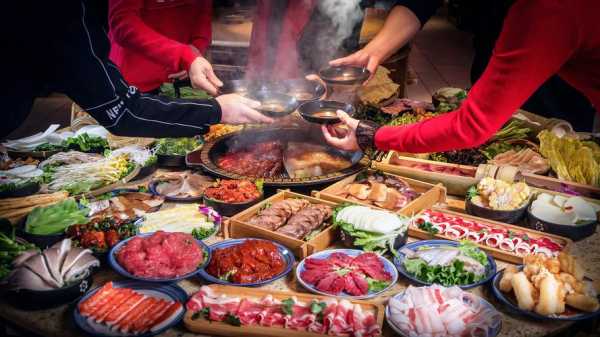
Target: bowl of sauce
<point>344,75</point>
<point>274,104</point>
<point>324,112</point>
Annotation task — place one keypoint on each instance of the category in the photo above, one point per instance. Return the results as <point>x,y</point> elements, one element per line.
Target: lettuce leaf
<point>472,250</point>
<point>450,275</point>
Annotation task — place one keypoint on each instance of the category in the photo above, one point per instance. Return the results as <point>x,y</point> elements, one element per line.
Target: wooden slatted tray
<point>430,194</point>
<point>415,232</point>
<point>203,326</point>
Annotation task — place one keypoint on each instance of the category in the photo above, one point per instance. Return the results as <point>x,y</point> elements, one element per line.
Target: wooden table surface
<point>58,321</point>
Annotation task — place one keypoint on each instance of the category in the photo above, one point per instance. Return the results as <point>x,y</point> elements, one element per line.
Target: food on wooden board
<point>561,210</point>
<point>343,274</point>
<point>572,159</point>
<point>247,262</point>
<point>124,206</point>
<point>194,219</point>
<point>141,156</point>
<point>372,229</point>
<point>440,311</point>
<point>446,265</point>
<point>87,176</point>
<point>296,218</point>
<point>328,317</point>
<point>15,209</point>
<point>303,160</point>
<point>56,218</point>
<point>56,267</point>
<point>550,286</point>
<point>456,228</point>
<point>233,191</point>
<point>129,311</point>
<point>161,255</point>
<point>181,184</point>
<point>381,190</point>
<point>499,195</point>
<point>70,157</point>
<point>444,169</point>
<point>19,177</point>
<point>527,160</point>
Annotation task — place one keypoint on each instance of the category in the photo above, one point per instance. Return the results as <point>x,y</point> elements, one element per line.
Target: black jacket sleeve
<point>97,85</point>
<point>74,60</point>
<point>423,9</point>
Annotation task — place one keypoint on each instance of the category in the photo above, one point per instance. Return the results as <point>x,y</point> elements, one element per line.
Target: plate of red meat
<point>159,256</point>
<point>347,273</point>
<point>130,308</point>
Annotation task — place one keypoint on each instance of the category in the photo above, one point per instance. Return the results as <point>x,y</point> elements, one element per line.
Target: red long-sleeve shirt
<point>150,38</point>
<point>539,39</point>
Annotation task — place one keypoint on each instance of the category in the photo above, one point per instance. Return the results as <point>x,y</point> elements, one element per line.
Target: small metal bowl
<point>344,75</point>
<point>324,112</point>
<point>274,104</point>
<point>304,90</point>
<point>240,87</point>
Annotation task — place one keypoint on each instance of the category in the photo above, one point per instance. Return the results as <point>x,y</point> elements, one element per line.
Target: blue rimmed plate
<point>511,303</point>
<point>285,253</point>
<point>112,260</point>
<point>493,330</point>
<point>490,269</point>
<point>170,292</point>
<point>387,265</point>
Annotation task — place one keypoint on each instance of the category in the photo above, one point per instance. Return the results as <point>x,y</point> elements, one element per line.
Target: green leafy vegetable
<point>232,319</point>
<point>86,143</point>
<point>49,147</point>
<point>317,307</point>
<point>54,219</point>
<point>376,285</point>
<point>177,146</point>
<point>472,192</point>
<point>9,248</point>
<point>201,233</point>
<point>227,276</point>
<point>512,130</point>
<point>428,227</point>
<point>472,250</point>
<point>167,89</point>
<point>287,306</point>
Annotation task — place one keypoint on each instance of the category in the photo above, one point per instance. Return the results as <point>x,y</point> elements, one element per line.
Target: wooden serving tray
<point>455,184</point>
<point>240,228</point>
<point>415,232</point>
<point>203,326</point>
<point>430,194</point>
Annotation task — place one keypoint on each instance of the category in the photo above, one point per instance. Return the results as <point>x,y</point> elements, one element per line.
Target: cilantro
<point>227,276</point>
<point>195,315</point>
<point>511,234</point>
<point>201,233</point>
<point>317,307</point>
<point>287,306</point>
<point>428,227</point>
<point>342,271</point>
<point>525,238</point>
<point>233,320</point>
<point>472,192</point>
<point>206,313</point>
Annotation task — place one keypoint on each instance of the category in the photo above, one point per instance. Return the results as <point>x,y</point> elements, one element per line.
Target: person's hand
<point>362,58</point>
<point>203,77</point>
<point>182,75</point>
<point>344,139</point>
<point>236,109</point>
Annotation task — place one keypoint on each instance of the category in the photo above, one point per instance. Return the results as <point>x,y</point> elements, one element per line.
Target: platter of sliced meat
<point>247,262</point>
<point>230,311</point>
<point>159,256</point>
<point>130,308</point>
<point>346,273</point>
<point>441,311</point>
<point>503,241</point>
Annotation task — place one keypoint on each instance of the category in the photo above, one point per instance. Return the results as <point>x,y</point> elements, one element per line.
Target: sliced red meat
<point>350,286</point>
<point>326,283</point>
<point>340,259</point>
<point>371,265</point>
<point>361,282</point>
<point>301,317</point>
<point>249,312</point>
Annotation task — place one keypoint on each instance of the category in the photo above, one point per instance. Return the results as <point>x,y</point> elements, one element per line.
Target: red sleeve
<point>538,37</point>
<point>128,29</point>
<point>202,35</point>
